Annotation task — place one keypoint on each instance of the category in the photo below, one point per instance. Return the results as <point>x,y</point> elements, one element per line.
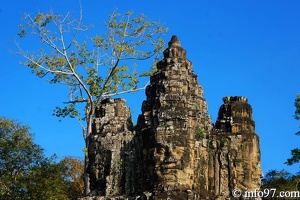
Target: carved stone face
<point>169,158</point>
<point>170,169</point>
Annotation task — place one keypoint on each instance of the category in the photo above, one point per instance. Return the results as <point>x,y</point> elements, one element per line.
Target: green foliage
<point>66,111</point>
<point>281,180</point>
<point>85,151</point>
<point>22,32</point>
<point>17,154</point>
<point>94,67</point>
<point>295,152</point>
<point>295,157</point>
<point>25,173</point>
<point>224,141</point>
<point>297,111</point>
<point>74,171</point>
<point>45,181</point>
<point>297,105</point>
<point>98,67</point>
<point>199,133</point>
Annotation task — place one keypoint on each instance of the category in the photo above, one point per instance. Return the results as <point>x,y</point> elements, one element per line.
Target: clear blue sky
<point>249,48</point>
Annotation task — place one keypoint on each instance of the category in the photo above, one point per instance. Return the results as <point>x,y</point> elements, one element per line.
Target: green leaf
<point>297,105</point>
<point>22,32</point>
<point>83,66</point>
<point>70,111</point>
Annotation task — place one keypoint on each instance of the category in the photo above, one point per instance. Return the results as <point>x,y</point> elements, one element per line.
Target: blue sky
<point>247,48</point>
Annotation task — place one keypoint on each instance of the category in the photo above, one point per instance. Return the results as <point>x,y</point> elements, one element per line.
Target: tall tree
<point>295,152</point>
<point>47,180</point>
<point>95,68</point>
<point>55,180</point>
<point>74,171</point>
<point>25,173</point>
<point>279,180</point>
<point>17,154</point>
<point>297,111</point>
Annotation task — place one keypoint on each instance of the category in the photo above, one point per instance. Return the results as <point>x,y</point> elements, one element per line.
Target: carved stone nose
<point>169,157</point>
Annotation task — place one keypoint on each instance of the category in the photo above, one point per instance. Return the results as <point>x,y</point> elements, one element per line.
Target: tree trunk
<point>89,119</point>
<point>86,177</point>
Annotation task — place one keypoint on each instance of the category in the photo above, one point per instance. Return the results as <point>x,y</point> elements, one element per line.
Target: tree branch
<point>76,101</point>
<point>41,34</point>
<point>106,81</point>
<point>127,91</point>
<point>81,83</point>
<point>133,58</point>
<point>22,53</point>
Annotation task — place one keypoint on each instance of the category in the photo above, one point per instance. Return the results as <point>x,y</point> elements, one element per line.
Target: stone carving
<point>174,151</point>
<point>236,154</point>
<point>175,111</point>
<point>107,152</point>
<point>235,116</point>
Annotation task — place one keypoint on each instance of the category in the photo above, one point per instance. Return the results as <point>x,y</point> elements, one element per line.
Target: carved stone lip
<point>169,165</point>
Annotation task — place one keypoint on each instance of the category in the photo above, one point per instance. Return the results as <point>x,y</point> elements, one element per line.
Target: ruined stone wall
<point>175,151</point>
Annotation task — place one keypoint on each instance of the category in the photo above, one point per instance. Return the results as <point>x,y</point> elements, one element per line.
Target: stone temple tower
<point>107,149</point>
<point>234,151</point>
<point>174,152</point>
<point>174,124</point>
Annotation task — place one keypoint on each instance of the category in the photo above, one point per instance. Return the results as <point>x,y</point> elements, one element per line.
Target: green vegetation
<point>295,152</point>
<point>25,173</point>
<point>281,181</point>
<point>94,67</point>
<point>199,134</point>
<point>225,141</point>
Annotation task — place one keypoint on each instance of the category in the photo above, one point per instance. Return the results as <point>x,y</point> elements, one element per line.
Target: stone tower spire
<point>107,150</point>
<point>235,153</point>
<point>235,115</point>
<point>174,42</point>
<point>174,126</point>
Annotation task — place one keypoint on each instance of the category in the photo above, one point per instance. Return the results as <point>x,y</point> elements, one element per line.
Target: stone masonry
<point>234,151</point>
<point>112,131</point>
<point>174,151</point>
<point>174,126</point>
